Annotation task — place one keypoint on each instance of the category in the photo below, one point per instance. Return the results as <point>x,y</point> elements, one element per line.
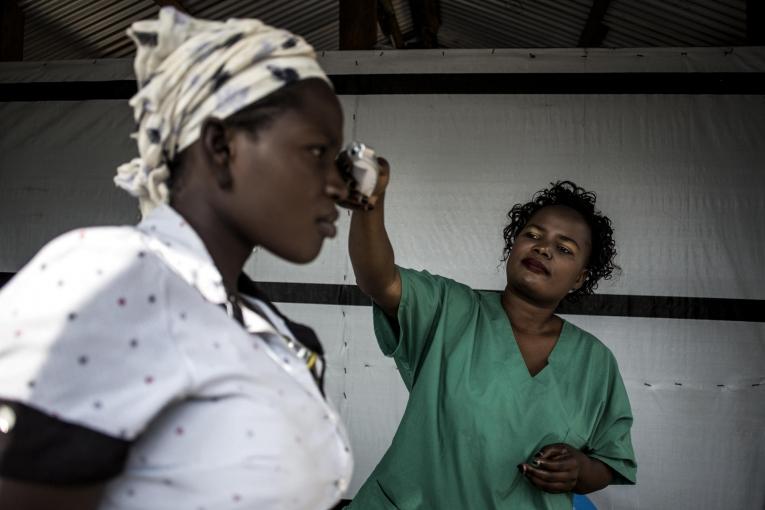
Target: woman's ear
<point>580,279</point>
<point>215,145</point>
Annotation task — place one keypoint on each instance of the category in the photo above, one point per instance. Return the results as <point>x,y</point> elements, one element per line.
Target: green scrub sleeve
<point>611,442</point>
<point>422,300</point>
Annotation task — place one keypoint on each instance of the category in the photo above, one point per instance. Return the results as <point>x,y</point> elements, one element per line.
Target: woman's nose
<point>543,250</point>
<point>336,188</point>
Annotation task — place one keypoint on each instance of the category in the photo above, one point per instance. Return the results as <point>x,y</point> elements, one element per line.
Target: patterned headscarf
<point>190,69</point>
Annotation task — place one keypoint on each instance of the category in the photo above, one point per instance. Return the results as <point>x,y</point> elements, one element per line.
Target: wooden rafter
<point>11,31</point>
<point>358,24</point>
<point>172,3</point>
<point>426,19</point>
<point>755,22</point>
<point>594,32</point>
<point>386,15</point>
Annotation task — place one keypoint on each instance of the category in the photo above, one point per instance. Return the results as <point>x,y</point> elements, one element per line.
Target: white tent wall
<point>680,175</point>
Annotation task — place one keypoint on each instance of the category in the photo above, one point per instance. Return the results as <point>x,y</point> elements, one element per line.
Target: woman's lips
<point>534,266</point>
<point>327,228</point>
<point>326,224</point>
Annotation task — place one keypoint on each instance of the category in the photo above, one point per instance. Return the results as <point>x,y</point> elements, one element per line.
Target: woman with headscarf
<point>137,368</point>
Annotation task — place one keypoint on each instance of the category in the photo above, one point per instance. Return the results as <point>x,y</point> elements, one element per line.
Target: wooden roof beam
<point>595,31</point>
<point>386,15</point>
<point>426,18</point>
<point>755,22</point>
<point>358,24</point>
<point>11,31</point>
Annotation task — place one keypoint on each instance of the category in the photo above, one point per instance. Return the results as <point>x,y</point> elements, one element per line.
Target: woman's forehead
<point>320,107</point>
<point>561,219</point>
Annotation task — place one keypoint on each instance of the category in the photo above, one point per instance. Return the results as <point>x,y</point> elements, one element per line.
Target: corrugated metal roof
<point>676,23</point>
<point>315,20</point>
<point>83,29</point>
<point>71,29</point>
<point>515,24</point>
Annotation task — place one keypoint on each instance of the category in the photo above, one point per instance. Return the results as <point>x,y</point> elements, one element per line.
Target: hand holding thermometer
<point>359,168</point>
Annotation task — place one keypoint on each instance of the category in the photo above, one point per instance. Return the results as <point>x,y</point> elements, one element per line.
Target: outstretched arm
<point>371,253</point>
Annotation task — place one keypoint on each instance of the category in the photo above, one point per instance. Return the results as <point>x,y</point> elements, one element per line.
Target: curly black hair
<point>600,265</point>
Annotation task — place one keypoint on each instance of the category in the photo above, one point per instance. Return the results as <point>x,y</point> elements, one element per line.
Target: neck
<point>527,316</point>
<point>228,250</point>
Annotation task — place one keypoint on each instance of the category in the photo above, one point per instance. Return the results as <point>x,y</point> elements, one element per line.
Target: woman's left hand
<point>555,468</point>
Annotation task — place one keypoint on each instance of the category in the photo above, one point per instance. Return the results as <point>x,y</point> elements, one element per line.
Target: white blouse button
<point>341,484</point>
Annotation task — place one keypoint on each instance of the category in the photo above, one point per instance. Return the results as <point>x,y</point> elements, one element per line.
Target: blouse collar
<point>170,237</point>
<point>179,246</point>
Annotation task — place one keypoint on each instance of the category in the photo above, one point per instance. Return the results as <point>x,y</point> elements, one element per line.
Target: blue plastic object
<point>583,503</point>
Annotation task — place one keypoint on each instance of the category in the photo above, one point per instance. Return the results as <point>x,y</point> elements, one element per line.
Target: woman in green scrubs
<point>510,406</point>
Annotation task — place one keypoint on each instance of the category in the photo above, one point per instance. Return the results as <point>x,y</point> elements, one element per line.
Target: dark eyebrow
<point>568,239</point>
<point>562,238</point>
<point>534,225</point>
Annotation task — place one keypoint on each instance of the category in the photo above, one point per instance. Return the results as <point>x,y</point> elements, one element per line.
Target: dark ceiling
<point>35,30</point>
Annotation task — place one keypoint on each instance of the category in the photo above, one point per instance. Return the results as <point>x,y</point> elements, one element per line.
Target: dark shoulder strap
<point>303,333</point>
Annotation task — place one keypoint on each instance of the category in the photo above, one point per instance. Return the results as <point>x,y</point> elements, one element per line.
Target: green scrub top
<point>474,411</point>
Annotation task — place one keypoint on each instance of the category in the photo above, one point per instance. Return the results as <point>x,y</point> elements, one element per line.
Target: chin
<point>302,256</point>
<point>530,292</point>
